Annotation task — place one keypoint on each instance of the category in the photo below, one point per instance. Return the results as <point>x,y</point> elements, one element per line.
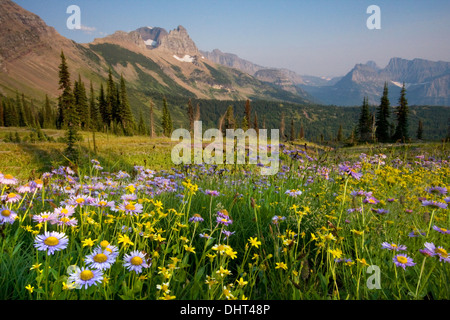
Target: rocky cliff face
<point>179,43</point>
<point>23,32</point>
<point>232,61</point>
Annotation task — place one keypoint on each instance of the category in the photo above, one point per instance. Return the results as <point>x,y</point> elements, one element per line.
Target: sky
<point>310,37</point>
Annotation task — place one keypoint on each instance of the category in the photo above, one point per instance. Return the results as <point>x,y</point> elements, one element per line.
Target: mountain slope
<point>154,62</point>
<point>427,83</point>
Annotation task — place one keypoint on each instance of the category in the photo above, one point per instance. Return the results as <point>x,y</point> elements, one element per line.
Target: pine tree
<point>166,123</point>
<point>2,115</point>
<point>95,122</point>
<point>382,118</point>
<point>152,127</point>
<point>420,130</point>
<point>81,103</point>
<point>65,100</point>
<point>302,132</point>
<point>190,114</point>
<point>248,110</point>
<point>22,122</point>
<point>141,125</point>
<point>197,113</point>
<point>282,127</point>
<point>230,121</point>
<point>111,100</point>
<point>125,115</point>
<point>255,123</point>
<point>401,131</point>
<point>365,122</point>
<point>292,135</point>
<point>103,108</point>
<point>48,117</point>
<point>339,134</point>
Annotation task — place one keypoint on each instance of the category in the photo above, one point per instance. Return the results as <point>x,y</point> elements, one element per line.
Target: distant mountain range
<point>158,62</point>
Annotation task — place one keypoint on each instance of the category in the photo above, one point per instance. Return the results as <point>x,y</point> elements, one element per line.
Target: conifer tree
<point>125,116</point>
<point>95,122</point>
<point>81,103</point>
<point>230,121</point>
<point>420,130</point>
<point>292,135</point>
<point>302,132</point>
<point>248,110</point>
<point>197,113</point>
<point>111,100</point>
<point>365,122</point>
<point>166,122</point>
<point>190,114</point>
<point>22,122</point>
<point>103,107</point>
<point>141,125</point>
<point>282,127</point>
<point>65,100</point>
<point>401,131</point>
<point>255,123</point>
<point>382,117</point>
<point>152,127</point>
<point>339,134</point>
<point>2,116</point>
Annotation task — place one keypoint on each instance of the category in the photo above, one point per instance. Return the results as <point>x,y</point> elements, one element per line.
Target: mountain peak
<point>178,42</point>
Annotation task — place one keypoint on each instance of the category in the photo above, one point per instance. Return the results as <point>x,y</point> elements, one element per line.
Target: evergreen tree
<point>255,123</point>
<point>152,127</point>
<point>111,100</point>
<point>339,134</point>
<point>65,100</point>
<point>382,118</point>
<point>166,123</point>
<point>420,130</point>
<point>2,115</point>
<point>230,121</point>
<point>365,122</point>
<point>22,122</point>
<point>47,121</point>
<point>81,103</point>
<point>401,131</point>
<point>95,122</point>
<point>125,115</point>
<point>103,107</point>
<point>292,135</point>
<point>302,132</point>
<point>197,113</point>
<point>248,110</point>
<point>141,125</point>
<point>190,114</point>
<point>282,127</point>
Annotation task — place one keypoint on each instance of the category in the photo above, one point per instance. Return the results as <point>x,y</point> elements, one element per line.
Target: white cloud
<point>88,30</point>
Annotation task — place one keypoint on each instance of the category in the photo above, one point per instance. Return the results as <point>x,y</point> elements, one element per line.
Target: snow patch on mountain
<point>186,58</point>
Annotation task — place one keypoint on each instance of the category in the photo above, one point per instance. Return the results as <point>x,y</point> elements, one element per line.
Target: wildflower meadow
<point>354,226</point>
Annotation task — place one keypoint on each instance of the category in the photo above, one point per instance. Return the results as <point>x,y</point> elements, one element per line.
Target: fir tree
<point>141,125</point>
<point>81,103</point>
<point>95,122</point>
<point>166,122</point>
<point>197,113</point>
<point>47,114</point>
<point>22,121</point>
<point>365,122</point>
<point>152,127</point>
<point>255,123</point>
<point>420,130</point>
<point>339,134</point>
<point>230,121</point>
<point>103,107</point>
<point>382,118</point>
<point>111,100</point>
<point>124,114</point>
<point>2,115</point>
<point>292,135</point>
<point>248,110</point>
<point>65,100</point>
<point>401,131</point>
<point>190,114</point>
<point>282,127</point>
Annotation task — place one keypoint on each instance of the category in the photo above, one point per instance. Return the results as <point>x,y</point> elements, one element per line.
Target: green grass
<point>295,258</point>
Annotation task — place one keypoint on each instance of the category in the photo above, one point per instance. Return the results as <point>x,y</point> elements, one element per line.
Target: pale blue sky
<point>321,37</point>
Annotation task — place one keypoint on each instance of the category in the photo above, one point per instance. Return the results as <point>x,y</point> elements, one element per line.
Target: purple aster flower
<point>100,259</point>
<point>402,260</point>
<point>7,216</point>
<point>437,190</point>
<point>276,219</point>
<point>51,242</point>
<point>130,207</point>
<point>432,250</point>
<point>350,171</point>
<point>447,199</point>
<point>416,233</point>
<point>380,211</point>
<point>11,197</point>
<point>434,204</point>
<point>228,233</point>
<point>212,193</point>
<point>46,216</point>
<point>393,246</point>
<point>371,200</point>
<point>85,277</point>
<point>196,218</point>
<point>441,230</point>
<point>135,261</point>
<point>293,193</point>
